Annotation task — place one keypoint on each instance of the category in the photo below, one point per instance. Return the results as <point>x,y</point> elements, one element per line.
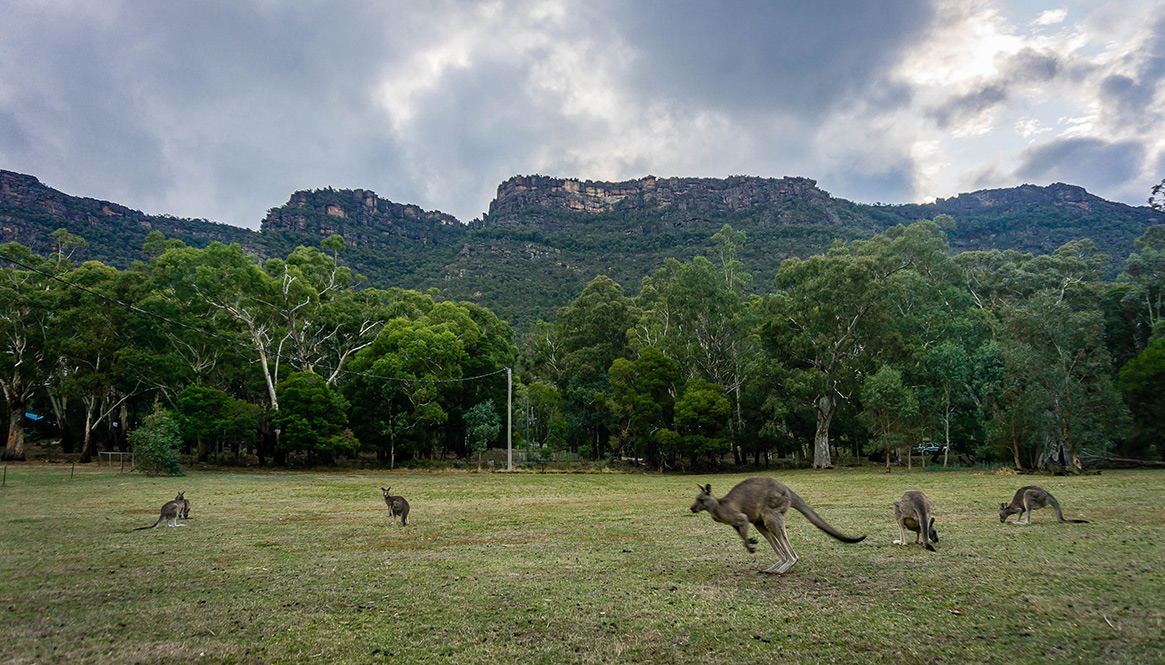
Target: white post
<point>509,419</point>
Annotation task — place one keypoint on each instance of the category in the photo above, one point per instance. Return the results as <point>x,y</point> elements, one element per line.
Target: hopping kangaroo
<point>1029,498</point>
<point>763,502</point>
<point>171,511</point>
<point>397,506</point>
<point>913,511</point>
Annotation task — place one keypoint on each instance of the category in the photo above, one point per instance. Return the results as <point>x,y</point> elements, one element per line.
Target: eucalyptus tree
<point>482,425</point>
<point>27,326</point>
<point>832,313</point>
<point>589,335</point>
<point>322,321</point>
<point>94,337</point>
<point>643,401</point>
<point>701,420</point>
<point>1056,370</point>
<point>223,285</point>
<point>1145,272</point>
<point>696,313</point>
<point>1068,367</point>
<point>313,419</point>
<point>947,366</point>
<point>399,382</point>
<point>890,410</point>
<point>1142,384</point>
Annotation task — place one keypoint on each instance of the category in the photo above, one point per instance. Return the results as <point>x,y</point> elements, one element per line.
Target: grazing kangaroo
<point>397,506</point>
<point>912,511</point>
<point>170,512</point>
<point>1029,498</point>
<point>763,502</point>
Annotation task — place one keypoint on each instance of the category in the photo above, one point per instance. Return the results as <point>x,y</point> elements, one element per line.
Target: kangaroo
<point>763,502</point>
<point>1029,498</point>
<point>397,506</point>
<point>913,510</point>
<point>171,510</point>
<point>183,506</point>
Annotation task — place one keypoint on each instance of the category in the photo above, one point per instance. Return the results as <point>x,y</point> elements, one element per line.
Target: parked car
<point>929,448</point>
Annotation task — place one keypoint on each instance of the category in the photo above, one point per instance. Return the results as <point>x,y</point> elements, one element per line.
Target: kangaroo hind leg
<point>779,539</point>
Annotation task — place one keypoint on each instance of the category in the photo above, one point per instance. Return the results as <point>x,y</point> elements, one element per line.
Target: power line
<point>290,359</point>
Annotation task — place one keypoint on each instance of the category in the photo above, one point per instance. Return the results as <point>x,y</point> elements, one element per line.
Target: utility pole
<point>509,419</point>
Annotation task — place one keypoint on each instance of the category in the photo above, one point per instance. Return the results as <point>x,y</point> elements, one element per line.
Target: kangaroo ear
<point>1003,506</point>
<point>932,522</point>
<point>708,488</point>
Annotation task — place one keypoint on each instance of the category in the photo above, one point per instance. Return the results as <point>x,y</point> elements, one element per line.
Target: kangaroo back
<point>817,521</point>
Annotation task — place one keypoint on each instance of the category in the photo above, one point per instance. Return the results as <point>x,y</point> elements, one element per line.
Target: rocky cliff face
<point>689,195</point>
<point>1068,199</point>
<point>30,211</point>
<point>361,217</point>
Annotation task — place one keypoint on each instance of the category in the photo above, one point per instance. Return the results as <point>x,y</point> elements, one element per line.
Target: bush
<point>155,444</point>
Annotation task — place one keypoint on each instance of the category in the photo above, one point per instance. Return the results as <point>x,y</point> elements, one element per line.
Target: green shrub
<point>155,444</point>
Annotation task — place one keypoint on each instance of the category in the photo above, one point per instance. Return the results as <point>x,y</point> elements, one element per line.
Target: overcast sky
<point>221,109</point>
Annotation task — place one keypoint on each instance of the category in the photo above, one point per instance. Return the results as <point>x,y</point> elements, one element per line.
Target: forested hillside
<point>677,322</point>
<point>544,239</point>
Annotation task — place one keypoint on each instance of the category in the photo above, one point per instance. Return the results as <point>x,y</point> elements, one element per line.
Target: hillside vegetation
<point>544,239</point>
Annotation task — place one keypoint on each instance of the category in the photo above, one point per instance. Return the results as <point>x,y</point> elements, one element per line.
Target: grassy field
<point>569,568</point>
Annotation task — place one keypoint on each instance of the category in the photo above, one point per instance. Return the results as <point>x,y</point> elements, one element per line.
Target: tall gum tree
<point>26,321</point>
<point>832,310</point>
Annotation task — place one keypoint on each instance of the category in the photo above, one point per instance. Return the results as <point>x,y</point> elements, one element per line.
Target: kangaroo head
<point>1003,512</point>
<point>386,490</point>
<point>179,497</point>
<point>704,500</point>
<point>931,532</point>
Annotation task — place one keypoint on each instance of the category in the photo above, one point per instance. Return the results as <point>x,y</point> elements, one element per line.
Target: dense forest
<point>863,350</point>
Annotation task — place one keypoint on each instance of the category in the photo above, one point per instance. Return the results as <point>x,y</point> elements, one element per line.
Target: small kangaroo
<point>763,502</point>
<point>183,506</point>
<point>171,511</point>
<point>1029,498</point>
<point>912,510</point>
<point>397,506</point>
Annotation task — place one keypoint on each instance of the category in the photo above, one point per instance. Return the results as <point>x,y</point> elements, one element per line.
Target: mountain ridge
<point>544,238</point>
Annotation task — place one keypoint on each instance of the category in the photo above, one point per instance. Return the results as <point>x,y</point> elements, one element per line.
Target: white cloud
<point>1051,17</point>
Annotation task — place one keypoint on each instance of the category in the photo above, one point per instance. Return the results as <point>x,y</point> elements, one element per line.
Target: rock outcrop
<point>691,195</point>
<point>361,217</point>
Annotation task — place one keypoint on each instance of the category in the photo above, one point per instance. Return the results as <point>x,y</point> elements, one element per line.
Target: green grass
<point>599,568</point>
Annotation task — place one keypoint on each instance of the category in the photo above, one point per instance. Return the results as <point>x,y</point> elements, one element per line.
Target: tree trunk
<point>824,407</point>
<point>60,406</point>
<point>14,449</point>
<point>88,444</point>
<point>946,438</point>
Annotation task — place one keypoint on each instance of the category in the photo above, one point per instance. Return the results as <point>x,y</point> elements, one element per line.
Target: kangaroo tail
<point>1060,515</point>
<point>152,526</point>
<point>803,508</point>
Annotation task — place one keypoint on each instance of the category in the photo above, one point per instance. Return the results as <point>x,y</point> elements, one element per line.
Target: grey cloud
<point>1026,67</point>
<point>964,107</point>
<point>1100,164</point>
<point>1128,101</point>
<point>1032,66</point>
<point>796,57</point>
